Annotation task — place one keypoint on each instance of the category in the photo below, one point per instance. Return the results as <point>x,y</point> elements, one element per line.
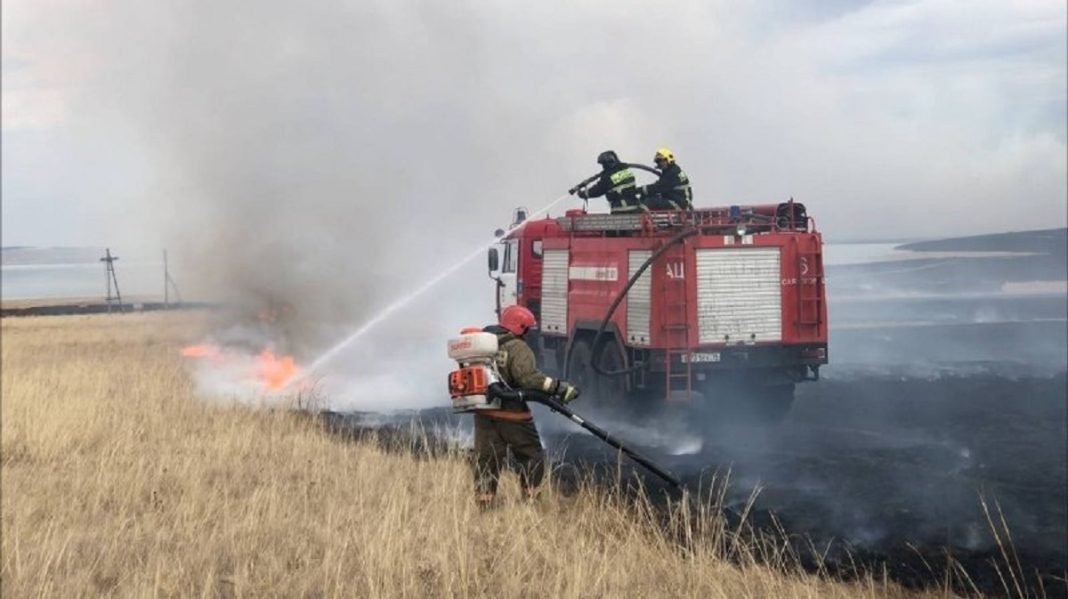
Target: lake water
<point>839,254</point>
<point>79,280</point>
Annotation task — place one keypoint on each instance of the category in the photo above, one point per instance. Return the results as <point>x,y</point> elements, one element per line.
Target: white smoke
<point>332,156</point>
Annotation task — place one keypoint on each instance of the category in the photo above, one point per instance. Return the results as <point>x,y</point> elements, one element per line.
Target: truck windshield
<point>511,256</point>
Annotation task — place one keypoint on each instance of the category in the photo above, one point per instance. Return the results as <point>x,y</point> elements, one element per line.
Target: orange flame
<point>275,372</point>
<point>201,350</point>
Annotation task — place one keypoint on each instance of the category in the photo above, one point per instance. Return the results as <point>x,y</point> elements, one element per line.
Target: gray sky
<point>922,118</point>
<point>335,154</point>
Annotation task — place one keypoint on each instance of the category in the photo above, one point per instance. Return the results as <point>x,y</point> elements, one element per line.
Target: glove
<point>566,392</point>
<point>582,193</point>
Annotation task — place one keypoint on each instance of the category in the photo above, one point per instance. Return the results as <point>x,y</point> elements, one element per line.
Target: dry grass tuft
<point>118,481</point>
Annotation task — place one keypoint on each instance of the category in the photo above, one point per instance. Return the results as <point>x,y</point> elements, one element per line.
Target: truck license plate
<point>696,357</point>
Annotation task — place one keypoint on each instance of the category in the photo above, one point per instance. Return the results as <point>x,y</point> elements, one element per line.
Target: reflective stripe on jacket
<point>673,186</point>
<point>617,185</point>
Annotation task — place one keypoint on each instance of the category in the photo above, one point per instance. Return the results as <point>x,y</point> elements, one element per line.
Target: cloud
<point>338,151</point>
<point>33,108</point>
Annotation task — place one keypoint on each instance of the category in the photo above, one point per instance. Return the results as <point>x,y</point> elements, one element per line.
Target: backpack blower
<point>476,385</point>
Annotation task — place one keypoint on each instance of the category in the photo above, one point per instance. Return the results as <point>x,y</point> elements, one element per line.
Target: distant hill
<point>19,255</point>
<point>1053,242</point>
<point>1001,262</point>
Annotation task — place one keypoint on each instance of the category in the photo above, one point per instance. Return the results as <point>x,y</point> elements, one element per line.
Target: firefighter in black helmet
<point>616,184</point>
<point>670,192</point>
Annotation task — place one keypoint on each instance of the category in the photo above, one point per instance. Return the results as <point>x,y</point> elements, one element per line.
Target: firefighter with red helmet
<point>511,427</point>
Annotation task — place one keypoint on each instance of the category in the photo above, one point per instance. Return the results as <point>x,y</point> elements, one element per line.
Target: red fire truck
<point>722,304</point>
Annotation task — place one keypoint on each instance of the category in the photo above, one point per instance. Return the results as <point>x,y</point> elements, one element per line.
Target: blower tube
<point>499,390</point>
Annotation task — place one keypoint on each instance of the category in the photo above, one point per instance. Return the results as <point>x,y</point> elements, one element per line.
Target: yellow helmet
<point>665,154</point>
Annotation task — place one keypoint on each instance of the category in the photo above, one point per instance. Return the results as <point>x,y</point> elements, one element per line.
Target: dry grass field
<point>119,481</point>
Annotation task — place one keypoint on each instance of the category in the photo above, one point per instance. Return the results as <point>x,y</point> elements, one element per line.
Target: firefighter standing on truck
<point>616,184</point>
<point>511,427</point>
<point>670,192</point>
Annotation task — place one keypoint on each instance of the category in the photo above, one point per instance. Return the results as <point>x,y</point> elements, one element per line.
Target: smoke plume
<point>330,156</point>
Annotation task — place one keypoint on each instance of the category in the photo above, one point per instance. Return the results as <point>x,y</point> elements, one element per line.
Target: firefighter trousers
<point>494,439</point>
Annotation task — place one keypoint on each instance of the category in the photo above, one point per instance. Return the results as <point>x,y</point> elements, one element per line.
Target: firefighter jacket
<point>673,188</point>
<point>517,366</point>
<point>617,186</point>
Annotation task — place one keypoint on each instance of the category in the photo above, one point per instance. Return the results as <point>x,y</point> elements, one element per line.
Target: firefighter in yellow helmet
<point>672,191</point>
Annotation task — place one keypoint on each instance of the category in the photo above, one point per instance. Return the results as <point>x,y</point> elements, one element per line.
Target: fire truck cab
<point>720,303</point>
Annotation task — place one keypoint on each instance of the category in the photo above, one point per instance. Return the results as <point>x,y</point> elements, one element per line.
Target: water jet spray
<point>407,298</point>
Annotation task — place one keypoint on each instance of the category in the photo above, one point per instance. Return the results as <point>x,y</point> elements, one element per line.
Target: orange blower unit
<point>474,351</point>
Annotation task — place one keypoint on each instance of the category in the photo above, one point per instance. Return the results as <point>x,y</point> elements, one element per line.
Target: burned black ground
<point>878,470</point>
<point>943,392</point>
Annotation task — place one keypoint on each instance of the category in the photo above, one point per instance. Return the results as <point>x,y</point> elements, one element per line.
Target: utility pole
<point>110,278</point>
<point>169,284</point>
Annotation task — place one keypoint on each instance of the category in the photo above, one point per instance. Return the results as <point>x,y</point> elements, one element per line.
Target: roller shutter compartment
<point>739,295</point>
<point>638,299</point>
<point>554,292</point>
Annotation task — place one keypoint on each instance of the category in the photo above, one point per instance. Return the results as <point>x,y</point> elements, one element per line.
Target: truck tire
<point>579,368</point>
<point>612,389</point>
<point>599,391</point>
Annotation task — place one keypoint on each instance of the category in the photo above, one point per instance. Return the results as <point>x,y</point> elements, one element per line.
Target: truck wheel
<point>579,369</point>
<point>610,389</point>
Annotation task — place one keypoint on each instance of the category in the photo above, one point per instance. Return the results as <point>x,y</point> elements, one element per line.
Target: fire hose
<point>500,391</point>
<point>678,238</point>
<point>593,178</point>
<point>633,279</point>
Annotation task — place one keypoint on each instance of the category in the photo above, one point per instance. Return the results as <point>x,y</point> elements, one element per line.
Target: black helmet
<point>608,159</point>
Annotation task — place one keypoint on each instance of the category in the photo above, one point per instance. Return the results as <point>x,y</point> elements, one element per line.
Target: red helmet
<point>516,319</point>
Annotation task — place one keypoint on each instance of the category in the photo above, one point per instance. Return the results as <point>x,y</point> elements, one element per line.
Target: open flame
<point>201,350</point>
<point>269,371</point>
<point>275,372</point>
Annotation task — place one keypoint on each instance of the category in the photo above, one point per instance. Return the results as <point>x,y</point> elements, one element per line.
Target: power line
<point>110,279</point>
<point>168,284</point>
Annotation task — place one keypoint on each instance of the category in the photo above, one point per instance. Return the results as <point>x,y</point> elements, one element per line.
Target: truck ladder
<point>686,373</point>
<point>809,263</point>
<point>675,326</point>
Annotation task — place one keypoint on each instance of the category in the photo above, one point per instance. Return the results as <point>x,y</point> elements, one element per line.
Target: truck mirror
<point>494,260</point>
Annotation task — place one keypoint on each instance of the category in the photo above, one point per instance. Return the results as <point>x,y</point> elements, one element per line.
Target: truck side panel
<point>764,289</point>
<point>554,286</point>
<point>800,294</point>
<point>639,300</point>
<point>739,295</point>
<point>599,270</point>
